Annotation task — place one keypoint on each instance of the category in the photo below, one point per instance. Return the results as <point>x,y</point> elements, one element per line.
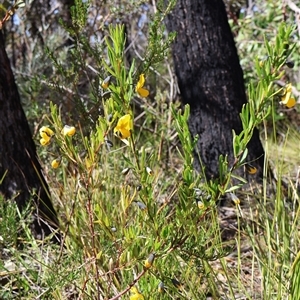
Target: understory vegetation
<point>137,221</point>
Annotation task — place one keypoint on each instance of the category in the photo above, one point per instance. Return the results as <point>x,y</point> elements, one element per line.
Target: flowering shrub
<point>118,212</point>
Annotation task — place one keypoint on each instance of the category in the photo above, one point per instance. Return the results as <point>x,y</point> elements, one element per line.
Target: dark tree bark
<point>20,169</point>
<point>210,80</point>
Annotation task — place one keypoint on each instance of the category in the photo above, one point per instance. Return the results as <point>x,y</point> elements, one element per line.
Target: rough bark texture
<point>210,79</point>
<point>20,169</point>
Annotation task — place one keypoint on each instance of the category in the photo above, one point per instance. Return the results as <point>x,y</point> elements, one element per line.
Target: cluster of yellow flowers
<point>122,130</point>
<point>125,124</point>
<point>46,134</point>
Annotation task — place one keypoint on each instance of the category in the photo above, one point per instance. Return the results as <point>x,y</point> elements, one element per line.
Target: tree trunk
<point>20,170</point>
<point>210,80</point>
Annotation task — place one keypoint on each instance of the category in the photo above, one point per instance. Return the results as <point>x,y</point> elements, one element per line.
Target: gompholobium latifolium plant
<point>132,242</point>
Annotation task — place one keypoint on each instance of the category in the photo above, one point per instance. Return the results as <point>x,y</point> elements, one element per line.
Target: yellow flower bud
<point>161,287</point>
<point>106,82</point>
<point>235,199</point>
<point>55,163</point>
<point>149,261</point>
<point>68,130</point>
<point>200,204</point>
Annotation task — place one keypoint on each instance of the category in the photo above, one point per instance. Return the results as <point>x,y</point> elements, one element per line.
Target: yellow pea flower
<point>46,133</point>
<point>137,297</point>
<point>124,127</point>
<point>55,163</point>
<point>136,294</point>
<point>149,261</point>
<point>289,103</point>
<point>68,130</point>
<point>286,99</point>
<point>139,87</point>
